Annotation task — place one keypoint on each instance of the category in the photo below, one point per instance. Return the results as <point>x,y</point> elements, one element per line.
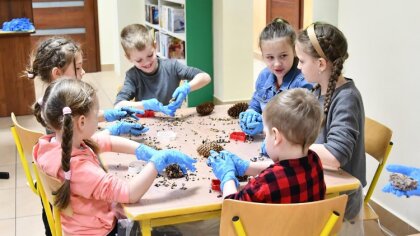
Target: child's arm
<point>327,158</point>
<point>199,81</point>
<point>256,167</point>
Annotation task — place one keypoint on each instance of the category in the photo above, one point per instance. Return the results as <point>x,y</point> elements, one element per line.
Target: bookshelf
<point>183,30</point>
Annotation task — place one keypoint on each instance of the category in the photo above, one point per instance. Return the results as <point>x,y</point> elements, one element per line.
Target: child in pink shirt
<point>70,108</point>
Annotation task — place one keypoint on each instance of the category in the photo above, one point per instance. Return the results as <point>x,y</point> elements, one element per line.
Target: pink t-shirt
<point>92,189</point>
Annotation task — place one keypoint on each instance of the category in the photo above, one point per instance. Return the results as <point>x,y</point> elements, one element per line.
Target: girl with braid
<point>322,50</point>
<point>70,108</point>
<point>62,57</point>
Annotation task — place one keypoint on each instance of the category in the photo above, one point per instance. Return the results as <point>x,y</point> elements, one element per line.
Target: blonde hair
<point>297,114</point>
<point>136,36</point>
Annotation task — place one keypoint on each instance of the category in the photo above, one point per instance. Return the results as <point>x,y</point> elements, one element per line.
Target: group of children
<point>311,115</point>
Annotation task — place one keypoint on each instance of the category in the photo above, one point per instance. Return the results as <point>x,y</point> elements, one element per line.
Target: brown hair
<point>135,36</point>
<point>297,114</point>
<point>53,52</point>
<point>80,98</point>
<point>334,45</point>
<point>278,28</point>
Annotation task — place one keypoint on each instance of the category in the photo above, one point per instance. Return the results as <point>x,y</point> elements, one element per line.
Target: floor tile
<point>30,225</point>
<point>7,227</point>
<point>27,202</point>
<point>7,203</point>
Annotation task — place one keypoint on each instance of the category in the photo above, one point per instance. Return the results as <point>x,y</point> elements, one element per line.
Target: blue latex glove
<point>144,152</point>
<point>263,149</point>
<point>223,167</point>
<point>241,165</point>
<point>180,93</point>
<point>163,158</point>
<point>119,113</point>
<point>122,127</point>
<point>251,122</point>
<point>172,107</point>
<point>405,170</point>
<point>154,105</point>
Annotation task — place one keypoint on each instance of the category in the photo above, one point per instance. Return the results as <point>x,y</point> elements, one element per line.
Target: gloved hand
<point>241,165</point>
<point>154,105</point>
<point>223,167</point>
<point>119,113</point>
<point>163,158</point>
<point>122,127</point>
<point>181,92</point>
<point>263,150</point>
<point>179,96</point>
<point>251,122</point>
<point>405,170</point>
<point>144,152</point>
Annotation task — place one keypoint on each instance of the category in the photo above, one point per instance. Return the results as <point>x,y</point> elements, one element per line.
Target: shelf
<point>154,26</point>
<point>176,1</point>
<point>175,35</point>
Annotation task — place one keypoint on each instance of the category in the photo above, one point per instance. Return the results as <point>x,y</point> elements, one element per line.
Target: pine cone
<point>204,149</point>
<point>236,109</point>
<point>205,108</point>
<point>174,171</point>
<point>402,182</point>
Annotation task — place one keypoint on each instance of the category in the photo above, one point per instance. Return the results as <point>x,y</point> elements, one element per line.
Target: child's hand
<point>122,127</point>
<point>152,104</point>
<point>241,165</point>
<point>250,122</point>
<point>223,167</point>
<point>181,93</point>
<point>164,158</point>
<point>117,114</point>
<point>405,170</point>
<point>144,152</point>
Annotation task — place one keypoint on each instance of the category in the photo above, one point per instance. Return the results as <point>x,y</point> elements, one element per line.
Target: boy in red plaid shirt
<point>291,121</point>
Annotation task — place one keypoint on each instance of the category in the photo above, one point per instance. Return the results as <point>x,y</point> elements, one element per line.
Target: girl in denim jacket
<point>277,43</point>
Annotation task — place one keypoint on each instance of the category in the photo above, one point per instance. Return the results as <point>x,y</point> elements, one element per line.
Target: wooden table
<point>180,200</point>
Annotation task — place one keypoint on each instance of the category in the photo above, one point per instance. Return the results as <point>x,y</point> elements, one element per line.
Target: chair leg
<point>4,175</point>
<point>383,228</point>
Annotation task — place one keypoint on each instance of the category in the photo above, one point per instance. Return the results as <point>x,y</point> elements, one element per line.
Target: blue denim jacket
<point>265,87</point>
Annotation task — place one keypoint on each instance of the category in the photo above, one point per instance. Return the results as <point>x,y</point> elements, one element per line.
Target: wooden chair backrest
<point>281,219</point>
<point>377,139</point>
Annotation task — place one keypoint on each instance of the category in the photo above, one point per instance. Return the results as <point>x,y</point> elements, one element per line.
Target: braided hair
<point>79,97</point>
<point>53,52</point>
<point>333,44</point>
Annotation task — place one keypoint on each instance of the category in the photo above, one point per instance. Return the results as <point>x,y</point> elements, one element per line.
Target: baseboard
<point>391,221</point>
<point>107,67</point>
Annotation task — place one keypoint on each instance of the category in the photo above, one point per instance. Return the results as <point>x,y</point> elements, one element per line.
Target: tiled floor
<point>20,212</point>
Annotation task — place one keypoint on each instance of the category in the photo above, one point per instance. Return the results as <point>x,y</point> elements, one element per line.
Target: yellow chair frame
<point>322,217</point>
<point>378,144</point>
<point>25,139</point>
<point>46,186</point>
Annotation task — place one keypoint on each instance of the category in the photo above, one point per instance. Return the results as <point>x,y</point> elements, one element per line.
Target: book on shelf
<point>172,19</point>
<point>152,14</point>
<point>171,47</point>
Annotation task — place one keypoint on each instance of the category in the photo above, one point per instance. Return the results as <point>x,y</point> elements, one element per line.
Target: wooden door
<point>290,10</point>
<point>75,19</point>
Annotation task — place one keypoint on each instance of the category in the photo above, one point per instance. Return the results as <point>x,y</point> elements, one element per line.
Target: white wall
<point>384,43</point>
<point>107,29</point>
<point>233,50</point>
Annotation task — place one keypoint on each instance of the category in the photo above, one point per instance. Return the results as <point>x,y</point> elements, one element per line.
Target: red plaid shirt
<point>287,181</point>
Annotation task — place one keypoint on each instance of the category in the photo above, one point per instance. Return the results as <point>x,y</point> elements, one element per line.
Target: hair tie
<point>39,101</point>
<point>30,75</point>
<point>66,110</point>
<point>314,41</point>
<point>67,175</point>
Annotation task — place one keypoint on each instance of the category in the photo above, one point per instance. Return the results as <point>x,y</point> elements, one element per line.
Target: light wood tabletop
<point>190,198</point>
